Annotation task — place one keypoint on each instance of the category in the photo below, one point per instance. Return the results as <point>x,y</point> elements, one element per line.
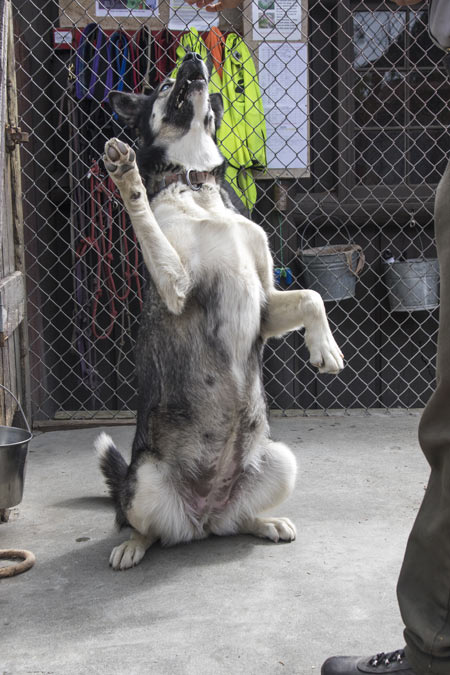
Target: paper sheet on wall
<point>182,15</point>
<point>277,20</point>
<point>283,77</point>
<point>126,8</point>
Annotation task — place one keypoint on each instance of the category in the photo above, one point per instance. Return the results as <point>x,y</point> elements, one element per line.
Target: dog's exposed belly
<point>218,482</point>
<point>206,405</point>
<point>211,492</point>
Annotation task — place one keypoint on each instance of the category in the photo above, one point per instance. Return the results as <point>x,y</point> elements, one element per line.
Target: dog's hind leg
<point>263,486</point>
<point>161,259</point>
<point>155,511</point>
<point>131,552</point>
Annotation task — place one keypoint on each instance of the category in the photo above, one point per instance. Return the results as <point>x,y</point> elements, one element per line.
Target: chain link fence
<point>342,109</point>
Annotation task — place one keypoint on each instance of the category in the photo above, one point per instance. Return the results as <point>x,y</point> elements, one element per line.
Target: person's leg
<point>424,583</point>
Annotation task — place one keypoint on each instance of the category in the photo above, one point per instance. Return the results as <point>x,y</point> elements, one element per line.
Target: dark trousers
<point>424,584</point>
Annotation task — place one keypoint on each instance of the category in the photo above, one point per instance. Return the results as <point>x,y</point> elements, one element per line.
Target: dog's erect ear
<point>217,108</point>
<point>127,106</point>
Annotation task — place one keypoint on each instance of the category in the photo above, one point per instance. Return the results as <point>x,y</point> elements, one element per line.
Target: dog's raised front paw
<point>324,351</point>
<point>276,529</point>
<point>119,158</point>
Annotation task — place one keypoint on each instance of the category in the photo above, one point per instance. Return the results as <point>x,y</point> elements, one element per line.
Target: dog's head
<point>180,109</point>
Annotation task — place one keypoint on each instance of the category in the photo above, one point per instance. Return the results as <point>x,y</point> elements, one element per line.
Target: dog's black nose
<point>192,56</point>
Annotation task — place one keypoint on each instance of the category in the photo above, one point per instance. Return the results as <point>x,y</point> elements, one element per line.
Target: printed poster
<point>137,8</point>
<point>283,78</point>
<point>277,20</point>
<point>183,16</point>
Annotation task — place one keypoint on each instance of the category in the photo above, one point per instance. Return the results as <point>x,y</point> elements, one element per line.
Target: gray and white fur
<point>202,458</point>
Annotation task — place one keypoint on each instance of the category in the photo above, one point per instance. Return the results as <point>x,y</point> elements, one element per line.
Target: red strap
<point>103,194</point>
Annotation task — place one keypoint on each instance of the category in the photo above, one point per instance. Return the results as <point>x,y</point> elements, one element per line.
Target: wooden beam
<point>15,183</point>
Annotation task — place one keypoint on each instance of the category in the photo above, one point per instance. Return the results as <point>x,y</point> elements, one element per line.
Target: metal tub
<point>13,455</point>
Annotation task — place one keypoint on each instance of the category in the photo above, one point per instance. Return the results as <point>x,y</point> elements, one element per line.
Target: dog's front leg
<point>161,259</point>
<point>289,310</point>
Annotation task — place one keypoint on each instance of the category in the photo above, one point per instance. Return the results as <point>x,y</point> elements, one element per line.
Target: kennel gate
<point>355,101</point>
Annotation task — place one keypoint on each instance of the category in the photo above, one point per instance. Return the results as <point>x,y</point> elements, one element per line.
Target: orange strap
<point>215,41</point>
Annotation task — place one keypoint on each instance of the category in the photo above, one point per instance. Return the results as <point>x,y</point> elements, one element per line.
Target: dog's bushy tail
<point>115,469</point>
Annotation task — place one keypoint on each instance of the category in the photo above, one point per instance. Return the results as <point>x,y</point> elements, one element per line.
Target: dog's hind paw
<point>130,553</point>
<point>276,529</point>
<point>119,158</point>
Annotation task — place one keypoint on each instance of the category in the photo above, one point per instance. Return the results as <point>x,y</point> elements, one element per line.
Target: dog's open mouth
<point>195,83</point>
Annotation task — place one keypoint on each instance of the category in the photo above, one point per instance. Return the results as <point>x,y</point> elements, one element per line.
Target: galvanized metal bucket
<point>333,270</point>
<point>13,455</point>
<point>412,284</point>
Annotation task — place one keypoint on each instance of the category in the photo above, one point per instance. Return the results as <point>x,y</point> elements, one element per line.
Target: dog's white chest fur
<point>216,248</point>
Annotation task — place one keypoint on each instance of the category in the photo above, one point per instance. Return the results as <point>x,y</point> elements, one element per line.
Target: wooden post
<point>14,372</point>
<point>17,215</point>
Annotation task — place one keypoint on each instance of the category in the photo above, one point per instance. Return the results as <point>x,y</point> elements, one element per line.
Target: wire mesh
<point>349,142</point>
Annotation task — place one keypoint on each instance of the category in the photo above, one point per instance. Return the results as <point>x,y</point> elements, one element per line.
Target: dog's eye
<point>165,86</point>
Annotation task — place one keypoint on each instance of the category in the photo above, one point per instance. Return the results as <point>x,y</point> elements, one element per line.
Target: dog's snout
<point>192,56</point>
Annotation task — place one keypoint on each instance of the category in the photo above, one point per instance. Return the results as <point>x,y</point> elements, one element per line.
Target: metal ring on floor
<point>27,560</point>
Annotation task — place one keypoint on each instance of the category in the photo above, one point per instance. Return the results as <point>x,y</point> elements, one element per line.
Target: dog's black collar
<point>193,179</point>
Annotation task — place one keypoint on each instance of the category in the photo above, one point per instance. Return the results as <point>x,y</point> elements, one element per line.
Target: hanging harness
<point>93,65</point>
<point>104,205</point>
<point>101,64</point>
<point>123,62</point>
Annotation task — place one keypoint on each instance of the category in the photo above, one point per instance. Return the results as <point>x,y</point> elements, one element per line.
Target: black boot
<point>393,662</point>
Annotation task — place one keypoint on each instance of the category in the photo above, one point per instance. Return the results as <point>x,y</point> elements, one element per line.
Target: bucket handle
<point>361,259</point>
<point>19,406</point>
<point>337,225</point>
<point>348,254</point>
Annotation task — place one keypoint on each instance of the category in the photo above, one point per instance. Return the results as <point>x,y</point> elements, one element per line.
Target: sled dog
<point>202,459</point>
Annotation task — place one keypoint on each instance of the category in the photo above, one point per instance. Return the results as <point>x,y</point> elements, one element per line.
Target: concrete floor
<point>223,605</point>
